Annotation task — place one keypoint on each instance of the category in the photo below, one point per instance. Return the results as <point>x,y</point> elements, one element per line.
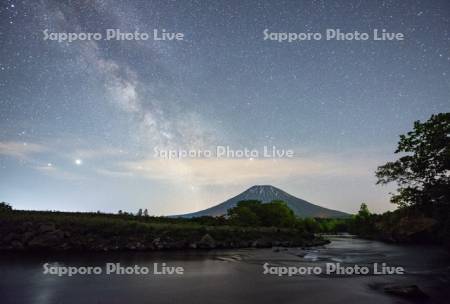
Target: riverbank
<point>408,225</point>
<point>47,231</point>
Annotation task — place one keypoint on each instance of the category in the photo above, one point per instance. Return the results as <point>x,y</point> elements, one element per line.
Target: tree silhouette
<point>4,207</point>
<point>423,174</point>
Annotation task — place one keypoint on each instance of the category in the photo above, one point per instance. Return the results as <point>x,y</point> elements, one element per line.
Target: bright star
<point>78,162</point>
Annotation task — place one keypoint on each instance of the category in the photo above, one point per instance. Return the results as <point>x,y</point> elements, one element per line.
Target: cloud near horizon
<point>211,172</point>
<point>20,150</point>
<point>203,172</point>
<point>201,181</point>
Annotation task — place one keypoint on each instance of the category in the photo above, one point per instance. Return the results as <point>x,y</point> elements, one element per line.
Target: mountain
<point>266,194</point>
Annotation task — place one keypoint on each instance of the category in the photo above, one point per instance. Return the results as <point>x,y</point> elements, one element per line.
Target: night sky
<point>79,120</point>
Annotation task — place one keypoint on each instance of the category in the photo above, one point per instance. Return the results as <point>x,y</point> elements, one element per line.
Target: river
<point>229,276</point>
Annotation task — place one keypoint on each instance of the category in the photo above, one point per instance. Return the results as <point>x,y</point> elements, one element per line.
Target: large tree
<point>422,173</point>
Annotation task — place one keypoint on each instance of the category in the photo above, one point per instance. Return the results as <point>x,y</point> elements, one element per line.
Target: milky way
<point>79,120</point>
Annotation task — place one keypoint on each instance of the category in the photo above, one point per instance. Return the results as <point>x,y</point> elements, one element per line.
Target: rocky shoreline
<point>47,236</point>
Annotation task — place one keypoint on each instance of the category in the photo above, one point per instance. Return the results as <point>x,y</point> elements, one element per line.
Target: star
<point>109,103</point>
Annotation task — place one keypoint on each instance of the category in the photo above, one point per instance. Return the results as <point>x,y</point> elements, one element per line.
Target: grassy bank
<point>34,230</point>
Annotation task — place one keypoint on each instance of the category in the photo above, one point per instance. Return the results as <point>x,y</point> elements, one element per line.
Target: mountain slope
<point>266,193</point>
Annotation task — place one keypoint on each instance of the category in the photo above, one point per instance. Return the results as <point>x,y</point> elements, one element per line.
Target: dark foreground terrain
<point>57,231</point>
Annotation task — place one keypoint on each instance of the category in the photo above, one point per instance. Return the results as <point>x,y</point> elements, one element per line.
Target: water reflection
<point>227,276</point>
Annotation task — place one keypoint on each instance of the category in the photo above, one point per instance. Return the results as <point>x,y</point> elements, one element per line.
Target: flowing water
<point>229,276</point>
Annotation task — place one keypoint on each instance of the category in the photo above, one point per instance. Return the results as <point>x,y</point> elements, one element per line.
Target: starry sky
<point>79,121</point>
